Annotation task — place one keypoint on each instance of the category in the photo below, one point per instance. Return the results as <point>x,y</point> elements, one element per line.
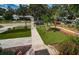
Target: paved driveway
<point>7,43</point>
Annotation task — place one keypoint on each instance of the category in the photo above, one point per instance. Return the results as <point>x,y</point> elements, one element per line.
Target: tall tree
<point>22,10</point>
<point>8,15</point>
<point>2,11</point>
<point>37,10</point>
<point>74,8</point>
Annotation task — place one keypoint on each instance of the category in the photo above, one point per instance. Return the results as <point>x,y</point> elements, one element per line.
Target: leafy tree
<point>45,18</point>
<point>37,10</point>
<point>22,10</point>
<point>55,13</point>
<point>2,11</point>
<point>8,15</point>
<point>74,8</point>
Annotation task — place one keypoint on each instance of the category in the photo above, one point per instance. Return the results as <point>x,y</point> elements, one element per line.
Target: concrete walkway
<point>39,47</point>
<point>37,42</point>
<point>8,43</point>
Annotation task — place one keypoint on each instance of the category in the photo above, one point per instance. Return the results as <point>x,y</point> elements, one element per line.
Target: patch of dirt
<point>23,49</point>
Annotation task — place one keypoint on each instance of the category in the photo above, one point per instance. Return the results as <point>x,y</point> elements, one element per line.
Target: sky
<point>9,5</point>
<point>13,5</point>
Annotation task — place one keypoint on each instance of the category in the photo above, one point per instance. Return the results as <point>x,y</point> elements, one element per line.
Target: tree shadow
<point>53,29</point>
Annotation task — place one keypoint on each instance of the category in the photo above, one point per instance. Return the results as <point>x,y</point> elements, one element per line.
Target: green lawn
<point>51,37</point>
<point>15,33</point>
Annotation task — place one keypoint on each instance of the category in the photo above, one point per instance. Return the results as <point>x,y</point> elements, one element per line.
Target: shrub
<point>1,26</point>
<point>70,47</point>
<point>77,24</point>
<point>67,48</point>
<point>9,29</point>
<point>0,49</point>
<point>7,52</point>
<point>75,40</point>
<point>13,28</point>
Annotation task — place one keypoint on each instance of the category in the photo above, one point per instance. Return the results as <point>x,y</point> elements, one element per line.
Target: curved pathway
<point>68,31</point>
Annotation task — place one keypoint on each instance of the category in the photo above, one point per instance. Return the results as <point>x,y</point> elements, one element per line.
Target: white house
<point>16,17</point>
<point>1,17</point>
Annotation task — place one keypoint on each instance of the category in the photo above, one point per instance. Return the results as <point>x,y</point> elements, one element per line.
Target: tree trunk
<point>55,24</point>
<point>25,24</point>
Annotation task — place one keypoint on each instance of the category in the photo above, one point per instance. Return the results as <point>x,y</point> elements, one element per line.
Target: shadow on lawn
<point>53,29</point>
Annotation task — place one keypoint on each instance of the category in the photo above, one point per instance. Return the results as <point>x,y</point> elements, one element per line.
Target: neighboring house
<point>15,17</point>
<point>1,16</point>
<point>76,20</point>
<point>67,21</point>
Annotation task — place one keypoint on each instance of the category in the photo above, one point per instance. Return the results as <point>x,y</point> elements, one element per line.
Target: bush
<point>25,27</point>
<point>70,47</point>
<point>77,24</point>
<point>0,49</point>
<point>1,26</point>
<point>13,28</point>
<point>9,29</point>
<point>75,40</point>
<point>67,48</point>
<point>7,52</point>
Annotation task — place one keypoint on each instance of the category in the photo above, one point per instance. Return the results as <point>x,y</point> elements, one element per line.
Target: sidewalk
<point>37,43</point>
